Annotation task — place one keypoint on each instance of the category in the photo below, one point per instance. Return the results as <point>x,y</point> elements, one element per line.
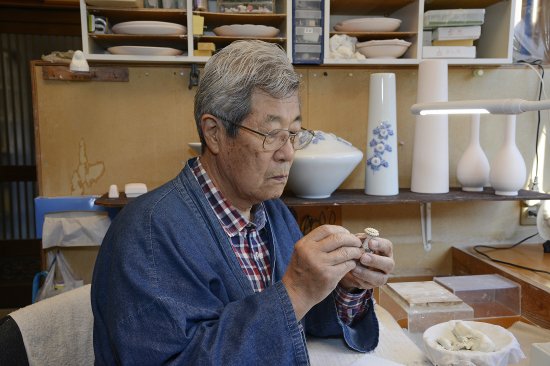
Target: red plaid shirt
<point>249,243</point>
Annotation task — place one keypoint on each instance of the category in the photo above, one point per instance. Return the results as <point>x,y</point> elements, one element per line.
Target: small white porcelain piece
<point>320,168</point>
<point>113,191</point>
<point>385,48</point>
<point>371,234</point>
<point>369,24</point>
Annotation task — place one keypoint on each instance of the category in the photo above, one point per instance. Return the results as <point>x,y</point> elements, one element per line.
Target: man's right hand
<point>320,260</point>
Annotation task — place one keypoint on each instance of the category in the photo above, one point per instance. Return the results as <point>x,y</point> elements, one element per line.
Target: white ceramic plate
<point>381,24</point>
<point>246,30</point>
<point>144,51</point>
<point>149,28</point>
<point>387,48</point>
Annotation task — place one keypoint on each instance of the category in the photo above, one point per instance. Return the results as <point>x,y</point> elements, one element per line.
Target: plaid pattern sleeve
<point>350,306</point>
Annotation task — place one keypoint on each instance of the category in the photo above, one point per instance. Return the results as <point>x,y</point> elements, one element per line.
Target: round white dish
<point>320,168</point>
<point>507,347</point>
<point>386,48</point>
<point>246,30</point>
<point>149,28</point>
<point>144,51</point>
<point>374,24</point>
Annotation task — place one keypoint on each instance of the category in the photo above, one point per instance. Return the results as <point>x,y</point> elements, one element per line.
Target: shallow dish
<point>149,28</point>
<point>507,347</point>
<point>116,3</point>
<point>144,51</point>
<point>387,48</point>
<point>246,30</point>
<point>381,24</point>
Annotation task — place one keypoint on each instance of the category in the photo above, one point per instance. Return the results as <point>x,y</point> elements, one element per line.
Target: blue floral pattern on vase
<point>379,146</point>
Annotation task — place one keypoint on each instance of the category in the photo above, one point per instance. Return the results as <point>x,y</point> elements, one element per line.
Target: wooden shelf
<point>224,40</point>
<point>110,40</point>
<point>117,15</point>
<point>346,197</point>
<point>358,197</point>
<point>458,4</point>
<point>215,19</point>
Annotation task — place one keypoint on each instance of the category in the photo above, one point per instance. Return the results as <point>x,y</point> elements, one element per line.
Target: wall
<point>93,134</point>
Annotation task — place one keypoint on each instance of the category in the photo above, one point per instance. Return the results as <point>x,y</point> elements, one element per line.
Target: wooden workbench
<point>535,287</point>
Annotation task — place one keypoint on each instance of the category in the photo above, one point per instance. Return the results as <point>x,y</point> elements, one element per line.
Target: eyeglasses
<point>275,139</point>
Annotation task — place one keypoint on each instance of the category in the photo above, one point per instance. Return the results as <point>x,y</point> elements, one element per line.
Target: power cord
<point>477,247</point>
<point>541,91</point>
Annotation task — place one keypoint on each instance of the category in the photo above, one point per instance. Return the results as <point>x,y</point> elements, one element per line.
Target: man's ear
<point>211,130</point>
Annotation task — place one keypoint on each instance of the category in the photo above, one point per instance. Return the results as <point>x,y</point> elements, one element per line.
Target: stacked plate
<point>144,51</point>
<point>374,24</point>
<point>386,48</point>
<point>246,30</point>
<point>146,27</point>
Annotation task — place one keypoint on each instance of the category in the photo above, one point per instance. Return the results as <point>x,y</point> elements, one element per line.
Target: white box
<point>452,33</point>
<point>449,52</point>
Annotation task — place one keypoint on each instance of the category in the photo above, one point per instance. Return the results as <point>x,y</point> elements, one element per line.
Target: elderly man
<point>211,268</point>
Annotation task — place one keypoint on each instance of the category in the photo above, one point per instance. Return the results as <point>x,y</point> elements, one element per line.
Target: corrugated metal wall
<point>17,129</point>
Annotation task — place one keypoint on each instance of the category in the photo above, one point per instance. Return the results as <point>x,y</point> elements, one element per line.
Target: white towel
<point>59,330</point>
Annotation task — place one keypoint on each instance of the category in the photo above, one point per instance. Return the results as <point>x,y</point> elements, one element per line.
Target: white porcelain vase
<point>381,173</point>
<point>473,167</point>
<point>322,166</point>
<point>430,164</point>
<point>508,171</point>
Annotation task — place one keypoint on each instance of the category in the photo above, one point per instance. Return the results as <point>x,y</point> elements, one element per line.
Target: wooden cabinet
<point>493,47</point>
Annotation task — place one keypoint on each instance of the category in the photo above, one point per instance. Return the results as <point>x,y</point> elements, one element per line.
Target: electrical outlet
<point>528,215</point>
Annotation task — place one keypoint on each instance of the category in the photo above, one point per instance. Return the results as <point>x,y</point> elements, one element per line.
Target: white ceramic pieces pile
<point>378,48</point>
<point>246,30</point>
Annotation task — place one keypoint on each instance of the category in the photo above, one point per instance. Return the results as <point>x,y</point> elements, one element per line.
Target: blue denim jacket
<point>167,289</point>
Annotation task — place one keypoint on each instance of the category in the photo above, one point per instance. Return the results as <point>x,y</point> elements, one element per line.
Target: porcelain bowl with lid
<point>321,167</point>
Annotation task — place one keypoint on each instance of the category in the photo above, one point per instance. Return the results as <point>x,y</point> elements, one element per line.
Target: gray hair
<point>234,73</point>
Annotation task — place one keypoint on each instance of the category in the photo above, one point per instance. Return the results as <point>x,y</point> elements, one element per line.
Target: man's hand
<point>372,269</point>
<point>320,260</point>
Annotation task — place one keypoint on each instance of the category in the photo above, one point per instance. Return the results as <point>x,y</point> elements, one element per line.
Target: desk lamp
<point>508,170</point>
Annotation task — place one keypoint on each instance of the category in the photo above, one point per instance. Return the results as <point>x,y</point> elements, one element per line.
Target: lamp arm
<point>493,106</point>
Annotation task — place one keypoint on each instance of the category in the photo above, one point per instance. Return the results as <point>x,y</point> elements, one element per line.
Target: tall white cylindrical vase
<point>508,170</point>
<point>473,167</point>
<point>381,173</point>
<point>430,164</point>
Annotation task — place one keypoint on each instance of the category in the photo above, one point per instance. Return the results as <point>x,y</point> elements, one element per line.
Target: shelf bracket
<point>194,75</point>
<point>426,222</point>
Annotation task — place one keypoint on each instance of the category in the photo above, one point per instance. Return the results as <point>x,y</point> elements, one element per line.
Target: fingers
<point>332,237</point>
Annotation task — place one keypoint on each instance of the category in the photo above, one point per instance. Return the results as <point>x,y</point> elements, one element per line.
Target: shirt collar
<point>230,218</point>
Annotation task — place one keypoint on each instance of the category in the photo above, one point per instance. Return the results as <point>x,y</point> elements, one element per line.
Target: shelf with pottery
<point>271,23</point>
<point>357,197</point>
<point>493,47</point>
<point>150,47</point>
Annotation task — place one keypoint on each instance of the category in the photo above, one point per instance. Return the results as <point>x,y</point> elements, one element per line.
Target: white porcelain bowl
<point>386,48</point>
<point>320,168</point>
<point>371,24</point>
<point>507,350</point>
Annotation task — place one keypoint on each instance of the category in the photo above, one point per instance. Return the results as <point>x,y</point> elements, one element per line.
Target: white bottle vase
<point>508,171</point>
<point>381,173</point>
<point>430,164</point>
<point>473,167</point>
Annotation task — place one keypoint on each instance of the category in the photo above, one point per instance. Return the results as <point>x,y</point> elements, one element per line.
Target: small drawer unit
<point>307,37</point>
